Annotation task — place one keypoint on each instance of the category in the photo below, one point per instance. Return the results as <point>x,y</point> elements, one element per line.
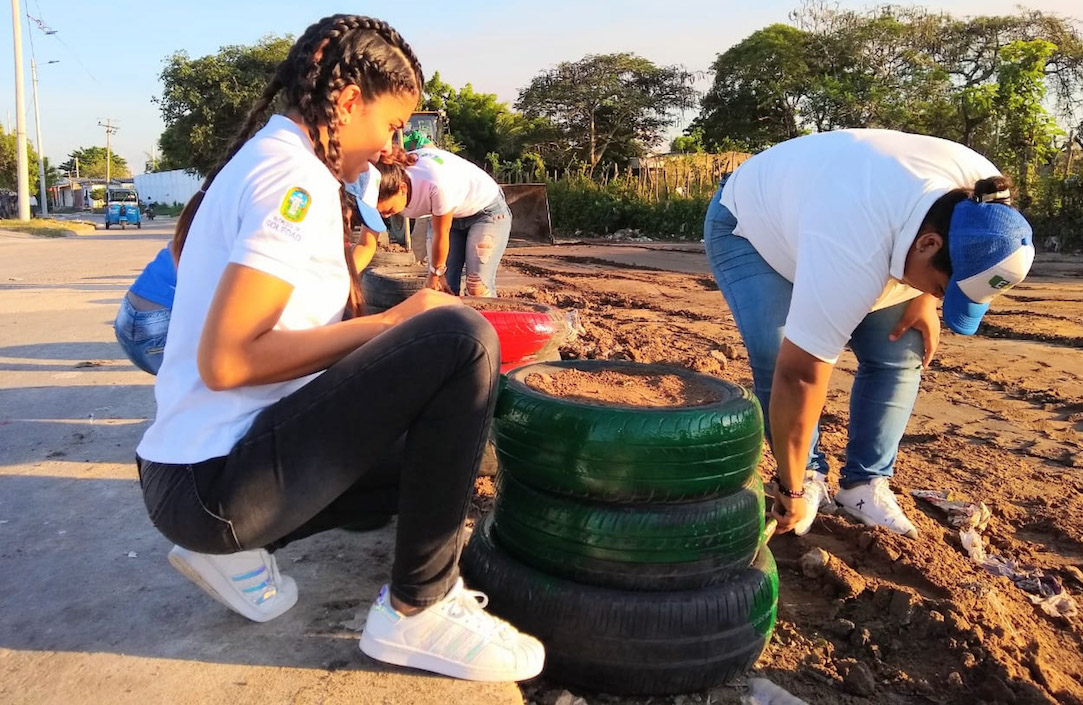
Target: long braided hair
<point>336,52</point>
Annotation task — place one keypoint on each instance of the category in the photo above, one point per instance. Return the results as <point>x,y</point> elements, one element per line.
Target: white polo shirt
<point>442,183</point>
<point>274,207</point>
<point>836,213</point>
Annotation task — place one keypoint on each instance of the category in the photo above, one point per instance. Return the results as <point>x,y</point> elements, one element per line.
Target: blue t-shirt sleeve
<point>158,281</point>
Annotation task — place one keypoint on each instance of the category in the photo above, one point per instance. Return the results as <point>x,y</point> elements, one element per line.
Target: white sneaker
<point>247,582</point>
<point>873,504</point>
<point>455,637</point>
<point>817,499</point>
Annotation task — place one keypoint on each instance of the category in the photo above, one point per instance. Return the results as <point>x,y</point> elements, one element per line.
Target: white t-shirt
<point>274,207</point>
<point>442,183</point>
<point>836,213</point>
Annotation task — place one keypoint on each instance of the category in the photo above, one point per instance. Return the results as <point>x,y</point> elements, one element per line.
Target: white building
<point>167,187</point>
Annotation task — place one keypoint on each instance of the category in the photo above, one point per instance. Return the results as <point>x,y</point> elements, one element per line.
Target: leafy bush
<point>1056,212</point>
<point>579,205</point>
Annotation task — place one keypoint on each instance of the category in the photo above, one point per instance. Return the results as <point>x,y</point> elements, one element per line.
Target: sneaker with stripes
<point>455,637</point>
<point>247,582</point>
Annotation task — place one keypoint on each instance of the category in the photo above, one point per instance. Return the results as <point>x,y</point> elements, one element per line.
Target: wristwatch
<point>437,271</point>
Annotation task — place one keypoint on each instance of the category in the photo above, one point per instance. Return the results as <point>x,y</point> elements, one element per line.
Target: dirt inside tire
<point>625,388</point>
<point>392,247</point>
<point>511,305</point>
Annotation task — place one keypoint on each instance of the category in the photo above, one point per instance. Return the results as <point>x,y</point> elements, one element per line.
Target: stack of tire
<point>630,540</point>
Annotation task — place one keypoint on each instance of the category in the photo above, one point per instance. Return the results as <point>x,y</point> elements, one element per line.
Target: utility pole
<point>110,129</point>
<point>43,201</point>
<point>22,173</point>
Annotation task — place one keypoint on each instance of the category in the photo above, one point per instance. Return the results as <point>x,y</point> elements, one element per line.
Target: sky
<point>110,54</point>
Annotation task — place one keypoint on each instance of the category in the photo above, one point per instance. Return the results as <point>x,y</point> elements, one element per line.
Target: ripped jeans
<point>477,243</point>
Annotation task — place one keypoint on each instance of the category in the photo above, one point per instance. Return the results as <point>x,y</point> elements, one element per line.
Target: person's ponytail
<point>995,189</point>
<point>392,168</point>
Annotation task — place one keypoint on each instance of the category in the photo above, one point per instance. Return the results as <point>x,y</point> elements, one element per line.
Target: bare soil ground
<point>999,419</point>
<point>625,388</point>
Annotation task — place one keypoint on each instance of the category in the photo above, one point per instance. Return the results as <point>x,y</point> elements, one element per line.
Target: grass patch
<point>47,227</point>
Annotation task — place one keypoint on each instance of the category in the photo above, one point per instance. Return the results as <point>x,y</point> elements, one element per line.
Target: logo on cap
<point>999,282</point>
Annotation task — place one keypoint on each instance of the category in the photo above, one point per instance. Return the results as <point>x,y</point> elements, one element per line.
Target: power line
<point>49,31</point>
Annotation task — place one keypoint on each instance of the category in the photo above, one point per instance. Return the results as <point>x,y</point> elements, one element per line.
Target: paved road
<point>90,610</point>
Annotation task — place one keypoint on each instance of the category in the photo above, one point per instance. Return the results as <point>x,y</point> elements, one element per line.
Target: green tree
<point>9,168</point>
<point>893,67</point>
<point>691,142</point>
<point>1027,130</point>
<point>478,123</point>
<point>759,87</point>
<point>605,108</point>
<point>92,163</point>
<point>9,165</point>
<point>205,100</point>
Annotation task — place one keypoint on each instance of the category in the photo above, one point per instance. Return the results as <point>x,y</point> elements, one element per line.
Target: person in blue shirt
<point>143,319</point>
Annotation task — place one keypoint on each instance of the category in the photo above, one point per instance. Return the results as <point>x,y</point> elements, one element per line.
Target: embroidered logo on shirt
<point>295,204</point>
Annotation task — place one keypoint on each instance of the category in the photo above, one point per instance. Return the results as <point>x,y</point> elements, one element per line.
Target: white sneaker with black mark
<point>455,637</point>
<point>817,500</point>
<point>874,504</point>
<point>247,582</point>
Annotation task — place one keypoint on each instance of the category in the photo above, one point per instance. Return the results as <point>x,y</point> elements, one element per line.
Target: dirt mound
<point>498,304</point>
<point>624,388</point>
<point>999,419</point>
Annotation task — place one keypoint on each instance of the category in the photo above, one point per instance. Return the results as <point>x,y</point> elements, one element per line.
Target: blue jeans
<point>141,335</point>
<point>888,373</point>
<point>478,242</point>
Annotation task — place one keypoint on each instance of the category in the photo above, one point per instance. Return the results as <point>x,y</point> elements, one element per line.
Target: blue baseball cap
<point>991,247</point>
<point>365,191</point>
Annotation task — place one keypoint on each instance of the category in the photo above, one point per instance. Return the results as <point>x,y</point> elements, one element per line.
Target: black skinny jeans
<point>397,426</point>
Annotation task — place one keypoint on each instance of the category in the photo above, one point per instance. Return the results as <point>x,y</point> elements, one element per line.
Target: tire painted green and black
<point>630,643</point>
<point>626,453</point>
<point>631,547</point>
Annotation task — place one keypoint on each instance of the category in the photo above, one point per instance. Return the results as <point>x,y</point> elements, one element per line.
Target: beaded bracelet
<point>792,494</point>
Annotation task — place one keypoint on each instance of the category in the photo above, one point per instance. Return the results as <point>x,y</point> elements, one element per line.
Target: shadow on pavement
<point>83,570</point>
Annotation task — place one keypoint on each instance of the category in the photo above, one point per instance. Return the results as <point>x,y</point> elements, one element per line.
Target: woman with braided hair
<point>282,412</point>
<point>471,222</point>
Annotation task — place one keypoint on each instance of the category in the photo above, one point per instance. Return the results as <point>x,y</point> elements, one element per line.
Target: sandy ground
<point>91,612</point>
<point>999,419</point>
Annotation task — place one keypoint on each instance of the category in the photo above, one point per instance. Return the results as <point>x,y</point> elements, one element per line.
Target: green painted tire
<point>624,453</point>
<point>631,547</point>
<point>630,643</point>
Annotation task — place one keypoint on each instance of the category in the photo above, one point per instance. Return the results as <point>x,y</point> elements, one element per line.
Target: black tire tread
<point>630,547</point>
<point>630,643</point>
<point>384,287</point>
<point>626,454</point>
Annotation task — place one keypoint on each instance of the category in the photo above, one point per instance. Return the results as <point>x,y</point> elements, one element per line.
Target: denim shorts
<point>141,335</point>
